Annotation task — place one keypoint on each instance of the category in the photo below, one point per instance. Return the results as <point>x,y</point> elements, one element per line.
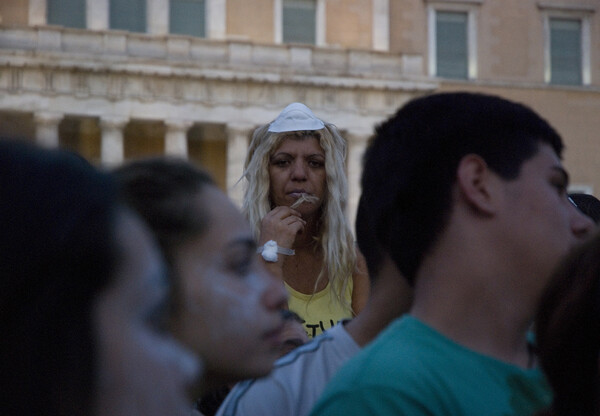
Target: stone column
<point>46,128</point>
<point>321,24</point>
<point>37,12</point>
<point>158,17</point>
<point>381,25</point>
<point>237,147</point>
<point>176,143</point>
<point>97,14</point>
<point>357,144</point>
<point>112,149</point>
<point>215,19</point>
<point>278,21</point>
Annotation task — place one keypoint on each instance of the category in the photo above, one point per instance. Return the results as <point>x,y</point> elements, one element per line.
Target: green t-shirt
<point>411,369</point>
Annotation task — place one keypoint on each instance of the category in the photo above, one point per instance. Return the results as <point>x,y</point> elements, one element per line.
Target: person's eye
<point>560,186</point>
<point>241,266</point>
<point>281,163</point>
<point>316,163</point>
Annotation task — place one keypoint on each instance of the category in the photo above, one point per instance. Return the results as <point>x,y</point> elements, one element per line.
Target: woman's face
<point>229,305</point>
<point>297,166</point>
<point>140,371</point>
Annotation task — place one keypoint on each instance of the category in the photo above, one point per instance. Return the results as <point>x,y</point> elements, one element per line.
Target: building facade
<point>119,79</point>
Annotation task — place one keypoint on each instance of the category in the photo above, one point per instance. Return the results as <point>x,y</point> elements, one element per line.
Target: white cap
<point>296,117</point>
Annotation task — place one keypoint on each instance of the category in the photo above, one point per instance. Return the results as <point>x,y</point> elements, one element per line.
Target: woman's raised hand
<point>281,224</point>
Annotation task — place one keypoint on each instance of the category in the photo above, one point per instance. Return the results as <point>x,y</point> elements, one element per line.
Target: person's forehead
<point>140,273</point>
<point>222,216</point>
<point>292,142</point>
<point>545,158</point>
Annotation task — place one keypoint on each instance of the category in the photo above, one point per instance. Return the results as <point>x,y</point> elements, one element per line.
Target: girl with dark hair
<point>224,305</point>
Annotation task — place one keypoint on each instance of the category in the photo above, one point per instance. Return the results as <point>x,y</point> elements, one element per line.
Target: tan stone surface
<point>109,86</point>
<point>349,23</point>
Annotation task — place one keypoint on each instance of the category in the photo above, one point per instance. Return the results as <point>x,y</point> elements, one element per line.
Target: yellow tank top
<point>320,311</point>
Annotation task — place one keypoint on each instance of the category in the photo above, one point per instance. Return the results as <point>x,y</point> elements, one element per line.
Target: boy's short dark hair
<point>410,165</point>
<point>367,241</point>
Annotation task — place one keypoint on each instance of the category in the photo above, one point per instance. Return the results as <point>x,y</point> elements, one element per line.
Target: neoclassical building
<point>119,79</point>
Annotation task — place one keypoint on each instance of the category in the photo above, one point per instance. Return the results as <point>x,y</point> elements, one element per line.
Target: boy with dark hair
<point>467,195</point>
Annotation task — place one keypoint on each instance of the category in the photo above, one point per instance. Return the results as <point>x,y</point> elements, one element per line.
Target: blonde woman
<point>294,200</point>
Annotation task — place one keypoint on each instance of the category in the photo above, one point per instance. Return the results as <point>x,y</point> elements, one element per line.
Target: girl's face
<point>140,371</point>
<point>229,312</point>
<point>297,166</point>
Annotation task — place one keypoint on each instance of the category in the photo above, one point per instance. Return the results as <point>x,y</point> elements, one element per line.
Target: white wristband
<point>270,249</point>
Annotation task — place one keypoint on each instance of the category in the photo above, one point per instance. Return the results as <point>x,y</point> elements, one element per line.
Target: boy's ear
<point>475,182</point>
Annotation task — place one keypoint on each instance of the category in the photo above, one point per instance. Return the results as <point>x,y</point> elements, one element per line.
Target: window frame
<point>320,19</point>
<point>145,23</point>
<point>204,23</point>
<point>583,14</point>
<point>471,8</point>
<point>49,4</point>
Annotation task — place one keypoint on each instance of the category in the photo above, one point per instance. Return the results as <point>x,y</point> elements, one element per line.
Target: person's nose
<point>581,225</point>
<point>299,170</point>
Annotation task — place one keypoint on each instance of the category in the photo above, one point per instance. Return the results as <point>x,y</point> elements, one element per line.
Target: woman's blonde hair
<point>335,237</point>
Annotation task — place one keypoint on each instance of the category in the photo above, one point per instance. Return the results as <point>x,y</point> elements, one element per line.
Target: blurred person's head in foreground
<point>81,281</point>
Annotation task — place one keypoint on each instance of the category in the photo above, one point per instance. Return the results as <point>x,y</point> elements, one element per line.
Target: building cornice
<point>552,6</point>
<point>181,56</point>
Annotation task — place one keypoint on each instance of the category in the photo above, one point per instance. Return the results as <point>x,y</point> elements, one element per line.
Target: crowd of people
<point>472,286</point>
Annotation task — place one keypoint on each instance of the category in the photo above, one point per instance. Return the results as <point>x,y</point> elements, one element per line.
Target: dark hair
<point>588,204</point>
<point>410,165</point>
<point>57,253</point>
<point>366,239</point>
<point>162,190</point>
<point>567,335</point>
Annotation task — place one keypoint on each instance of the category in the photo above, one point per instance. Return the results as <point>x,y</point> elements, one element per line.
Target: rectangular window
<point>128,15</point>
<point>186,17</point>
<point>68,13</point>
<point>299,21</point>
<point>565,51</point>
<point>451,44</point>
